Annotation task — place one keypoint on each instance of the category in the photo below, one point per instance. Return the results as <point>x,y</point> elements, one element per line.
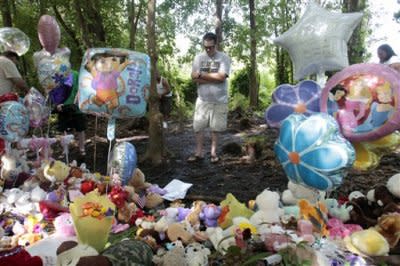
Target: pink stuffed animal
<point>64,225</point>
<point>337,229</point>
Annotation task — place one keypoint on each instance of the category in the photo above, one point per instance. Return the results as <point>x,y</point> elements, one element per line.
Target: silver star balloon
<point>318,41</point>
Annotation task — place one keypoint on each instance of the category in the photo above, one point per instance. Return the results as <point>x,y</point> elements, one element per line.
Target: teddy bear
<point>389,226</point>
<point>295,192</point>
<point>230,208</point>
<point>56,171</point>
<point>12,164</point>
<point>177,231</point>
<point>269,211</point>
<point>364,212</point>
<point>393,184</point>
<point>386,201</point>
<point>220,239</point>
<point>193,218</point>
<point>335,210</point>
<point>138,181</point>
<point>169,216</point>
<point>196,254</point>
<point>175,256</point>
<point>209,214</point>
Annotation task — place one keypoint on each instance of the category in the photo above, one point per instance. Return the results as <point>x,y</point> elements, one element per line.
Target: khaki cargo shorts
<point>210,115</point>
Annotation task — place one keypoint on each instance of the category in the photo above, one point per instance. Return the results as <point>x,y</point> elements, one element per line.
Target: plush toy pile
<point>112,224</point>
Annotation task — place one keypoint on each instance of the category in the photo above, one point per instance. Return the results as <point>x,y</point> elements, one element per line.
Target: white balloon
<point>318,41</point>
<point>15,40</point>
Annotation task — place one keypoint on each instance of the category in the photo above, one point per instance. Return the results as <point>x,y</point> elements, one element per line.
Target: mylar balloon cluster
<point>318,41</point>
<point>287,99</point>
<point>13,39</point>
<point>52,63</point>
<point>313,152</point>
<point>35,102</point>
<point>123,161</point>
<point>114,82</point>
<point>364,99</point>
<point>14,121</point>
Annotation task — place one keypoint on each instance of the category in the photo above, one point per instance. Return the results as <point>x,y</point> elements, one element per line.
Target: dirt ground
<point>211,182</point>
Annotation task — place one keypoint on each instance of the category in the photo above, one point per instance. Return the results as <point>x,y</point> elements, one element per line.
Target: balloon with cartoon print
<point>114,82</point>
<point>53,70</point>
<point>364,99</point>
<point>35,102</point>
<point>14,121</point>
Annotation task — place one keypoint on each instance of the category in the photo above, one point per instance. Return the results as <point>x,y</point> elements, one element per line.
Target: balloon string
<point>95,144</point>
<point>108,158</point>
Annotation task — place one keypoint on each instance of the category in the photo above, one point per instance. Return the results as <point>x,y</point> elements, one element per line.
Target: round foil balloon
<point>318,41</point>
<point>53,69</point>
<point>287,99</point>
<point>114,82</point>
<point>14,121</point>
<point>123,161</point>
<point>13,39</point>
<point>49,33</point>
<point>364,99</point>
<point>35,102</point>
<point>313,152</point>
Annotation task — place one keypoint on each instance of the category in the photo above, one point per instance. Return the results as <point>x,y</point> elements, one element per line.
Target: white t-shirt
<point>8,70</point>
<point>392,60</point>
<point>219,63</point>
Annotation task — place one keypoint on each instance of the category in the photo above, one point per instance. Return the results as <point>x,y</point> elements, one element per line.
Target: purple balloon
<point>364,99</point>
<point>287,99</point>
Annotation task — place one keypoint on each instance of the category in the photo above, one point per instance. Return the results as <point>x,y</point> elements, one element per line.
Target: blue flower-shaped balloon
<point>302,98</point>
<point>313,152</point>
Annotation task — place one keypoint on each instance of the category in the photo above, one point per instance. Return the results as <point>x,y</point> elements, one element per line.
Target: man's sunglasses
<point>209,47</point>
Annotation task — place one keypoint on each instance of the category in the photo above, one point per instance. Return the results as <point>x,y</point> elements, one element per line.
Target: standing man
<point>210,70</point>
<point>10,78</point>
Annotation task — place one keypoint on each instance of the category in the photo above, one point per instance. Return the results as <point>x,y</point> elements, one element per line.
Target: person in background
<point>69,115</point>
<point>10,78</point>
<point>387,56</point>
<point>210,71</point>
<point>165,94</point>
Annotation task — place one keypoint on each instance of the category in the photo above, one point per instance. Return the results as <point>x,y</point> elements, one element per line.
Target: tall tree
<point>6,13</point>
<point>218,23</point>
<point>253,84</point>
<point>134,13</point>
<point>155,149</point>
<point>356,47</point>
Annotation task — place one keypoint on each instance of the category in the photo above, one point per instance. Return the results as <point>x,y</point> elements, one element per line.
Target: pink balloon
<point>49,33</point>
<point>368,107</point>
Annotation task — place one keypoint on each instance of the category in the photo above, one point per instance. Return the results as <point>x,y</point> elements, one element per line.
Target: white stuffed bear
<point>196,254</point>
<point>295,192</point>
<point>268,208</point>
<point>393,185</point>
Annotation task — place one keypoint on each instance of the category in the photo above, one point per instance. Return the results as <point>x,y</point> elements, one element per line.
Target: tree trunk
<point>6,13</point>
<point>134,20</point>
<point>356,46</point>
<point>155,150</point>
<point>81,22</point>
<point>218,25</point>
<point>253,84</point>
<point>42,7</point>
<point>68,29</point>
